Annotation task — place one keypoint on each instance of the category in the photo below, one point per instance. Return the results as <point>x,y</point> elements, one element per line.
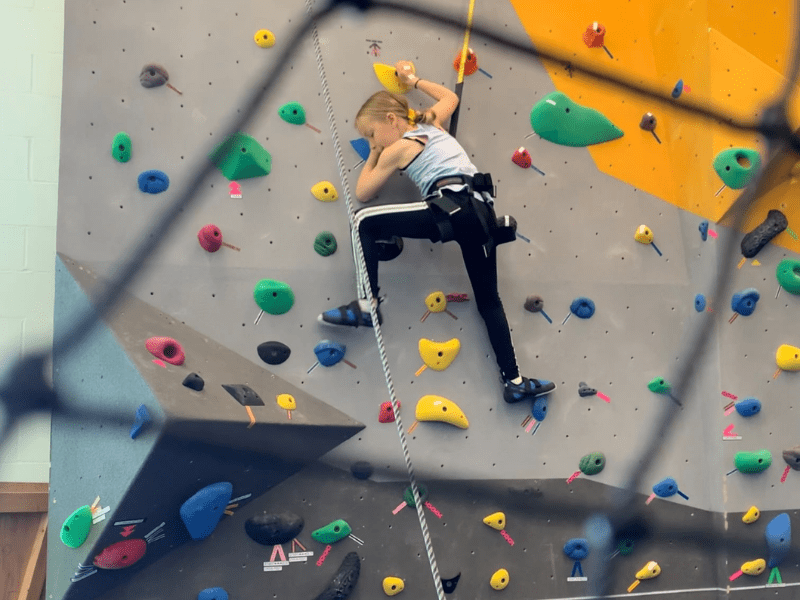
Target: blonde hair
<point>384,102</point>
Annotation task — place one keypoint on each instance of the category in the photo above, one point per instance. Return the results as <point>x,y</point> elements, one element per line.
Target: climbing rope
<point>362,268</point>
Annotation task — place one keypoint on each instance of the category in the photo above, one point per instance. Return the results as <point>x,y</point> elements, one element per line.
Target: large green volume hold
<point>560,120</point>
<point>76,528</point>
<point>273,297</point>
<point>752,462</point>
<point>241,157</point>
<point>332,532</point>
<point>788,274</point>
<point>737,166</point>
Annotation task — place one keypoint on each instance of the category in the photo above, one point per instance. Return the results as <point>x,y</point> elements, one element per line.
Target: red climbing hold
<point>387,412</point>
<point>166,349</point>
<point>210,238</point>
<point>121,555</point>
<point>522,158</point>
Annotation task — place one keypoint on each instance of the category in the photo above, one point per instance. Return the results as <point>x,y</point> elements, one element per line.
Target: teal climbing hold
<point>788,274</point>
<point>752,462</point>
<point>659,385</point>
<point>560,120</point>
<point>325,243</point>
<point>293,112</point>
<point>121,147</point>
<point>333,532</point>
<point>241,157</point>
<point>737,166</point>
<point>273,297</point>
<point>76,528</point>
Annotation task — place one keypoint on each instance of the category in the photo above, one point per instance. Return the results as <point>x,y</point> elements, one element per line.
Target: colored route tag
<point>433,509</point>
<point>603,397</point>
<point>785,473</point>
<point>573,477</point>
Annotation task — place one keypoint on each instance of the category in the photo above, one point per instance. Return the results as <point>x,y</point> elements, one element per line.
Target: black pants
<point>418,221</point>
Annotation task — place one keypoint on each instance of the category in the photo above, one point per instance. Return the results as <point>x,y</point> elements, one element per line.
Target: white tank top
<point>441,157</point>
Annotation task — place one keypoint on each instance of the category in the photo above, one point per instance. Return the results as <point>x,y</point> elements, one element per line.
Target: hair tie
<point>412,114</point>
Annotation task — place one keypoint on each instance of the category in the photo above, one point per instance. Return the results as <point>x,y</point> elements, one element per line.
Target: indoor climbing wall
<point>617,302</point>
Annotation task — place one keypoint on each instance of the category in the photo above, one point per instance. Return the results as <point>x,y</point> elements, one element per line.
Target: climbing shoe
<point>527,390</point>
<point>349,315</point>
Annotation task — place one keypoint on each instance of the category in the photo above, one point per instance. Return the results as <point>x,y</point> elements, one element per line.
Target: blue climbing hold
<point>153,181</point>
<point>329,353</point>
<point>202,512</point>
<point>361,145</point>
<point>666,487</point>
<point>703,227</point>
<point>577,548</point>
<point>779,539</point>
<point>142,419</point>
<point>216,593</point>
<point>539,410</point>
<point>699,303</point>
<point>748,407</point>
<point>744,302</point>
<point>678,89</point>
<point>582,307</point>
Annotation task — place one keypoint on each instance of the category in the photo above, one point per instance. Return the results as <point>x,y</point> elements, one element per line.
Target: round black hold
<point>269,530</point>
<point>361,469</point>
<point>273,353</point>
<point>389,249</point>
<point>194,381</point>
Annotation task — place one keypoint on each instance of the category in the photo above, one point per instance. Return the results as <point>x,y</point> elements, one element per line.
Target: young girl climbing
<point>452,209</point>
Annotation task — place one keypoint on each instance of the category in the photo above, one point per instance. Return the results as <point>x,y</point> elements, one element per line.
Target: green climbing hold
<point>408,495</point>
<point>241,157</point>
<point>737,166</point>
<point>121,147</point>
<point>274,297</point>
<point>659,385</point>
<point>325,243</point>
<point>593,463</point>
<point>293,112</point>
<point>788,274</point>
<point>333,532</point>
<point>625,546</point>
<point>76,528</point>
<point>752,462</point>
<point>560,120</point>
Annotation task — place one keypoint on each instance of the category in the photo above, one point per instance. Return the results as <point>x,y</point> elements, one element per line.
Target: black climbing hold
<point>361,469</point>
<point>194,381</point>
<point>345,579</point>
<point>269,530</point>
<point>753,242</point>
<point>244,395</point>
<point>273,353</point>
<point>449,585</point>
<point>584,390</point>
<point>389,249</point>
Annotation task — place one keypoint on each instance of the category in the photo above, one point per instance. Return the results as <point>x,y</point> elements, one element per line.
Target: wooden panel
<point>17,534</point>
<point>34,574</point>
<point>23,497</point>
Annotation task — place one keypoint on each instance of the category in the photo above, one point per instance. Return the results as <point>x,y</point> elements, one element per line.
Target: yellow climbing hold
<point>754,567</point>
<point>643,235</point>
<point>324,191</point>
<point>499,580</point>
<point>437,408</point>
<point>264,38</point>
<point>436,302</point>
<point>438,355</point>
<point>751,516</point>
<point>286,401</point>
<point>387,75</point>
<point>649,571</point>
<point>392,586</point>
<point>788,357</point>
<point>496,521</point>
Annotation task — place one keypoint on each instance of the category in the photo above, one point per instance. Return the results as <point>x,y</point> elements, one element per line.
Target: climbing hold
<point>153,75</point>
<point>582,307</point>
<point>325,243</point>
<point>648,122</point>
<point>779,539</point>
<point>737,166</point>
<point>361,146</point>
<point>792,457</point>
<point>593,463</point>
<point>744,302</point>
<point>329,353</point>
<point>273,353</point>
<point>584,390</point>
<point>141,419</point>
<point>643,235</point>
<point>499,580</point>
<point>121,147</point>
<point>534,303</point>
<point>264,38</point>
<point>333,532</point>
<point>788,275</point>
<point>274,297</point>
<point>751,516</point>
<point>678,89</point>
<point>436,302</point>
<point>752,462</point>
<point>241,157</point>
<point>386,414</point>
<point>649,571</point>
<point>449,585</point>
<point>470,65</point>
<point>286,401</point>
<point>216,593</point>
<point>496,520</point>
<point>408,495</point>
<point>392,586</point>
<point>788,357</point>
<point>437,408</point>
<point>522,158</point>
<point>625,546</point>
<point>345,579</point>
<point>76,528</point>
<point>755,240</point>
<point>539,408</point>
<point>293,112</point>
<point>754,567</point>
<point>243,394</point>
<point>195,382</point>
<point>153,181</point>
<point>439,355</point>
<point>389,249</point>
<point>659,385</point>
<point>577,548</point>
<point>703,227</point>
<point>121,555</point>
<point>665,488</point>
<point>202,512</point>
<point>269,530</point>
<point>324,191</point>
<point>361,469</point>
<point>558,119</point>
<point>166,349</point>
<point>387,75</point>
<point>699,302</point>
<point>210,238</point>
<point>748,407</point>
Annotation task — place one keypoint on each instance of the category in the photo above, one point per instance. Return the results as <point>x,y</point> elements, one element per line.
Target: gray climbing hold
<point>361,469</point>
<point>269,530</point>
<point>153,76</point>
<point>584,390</point>
<point>534,303</point>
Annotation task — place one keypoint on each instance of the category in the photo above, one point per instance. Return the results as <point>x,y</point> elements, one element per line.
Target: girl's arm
<point>380,164</point>
<point>447,101</point>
